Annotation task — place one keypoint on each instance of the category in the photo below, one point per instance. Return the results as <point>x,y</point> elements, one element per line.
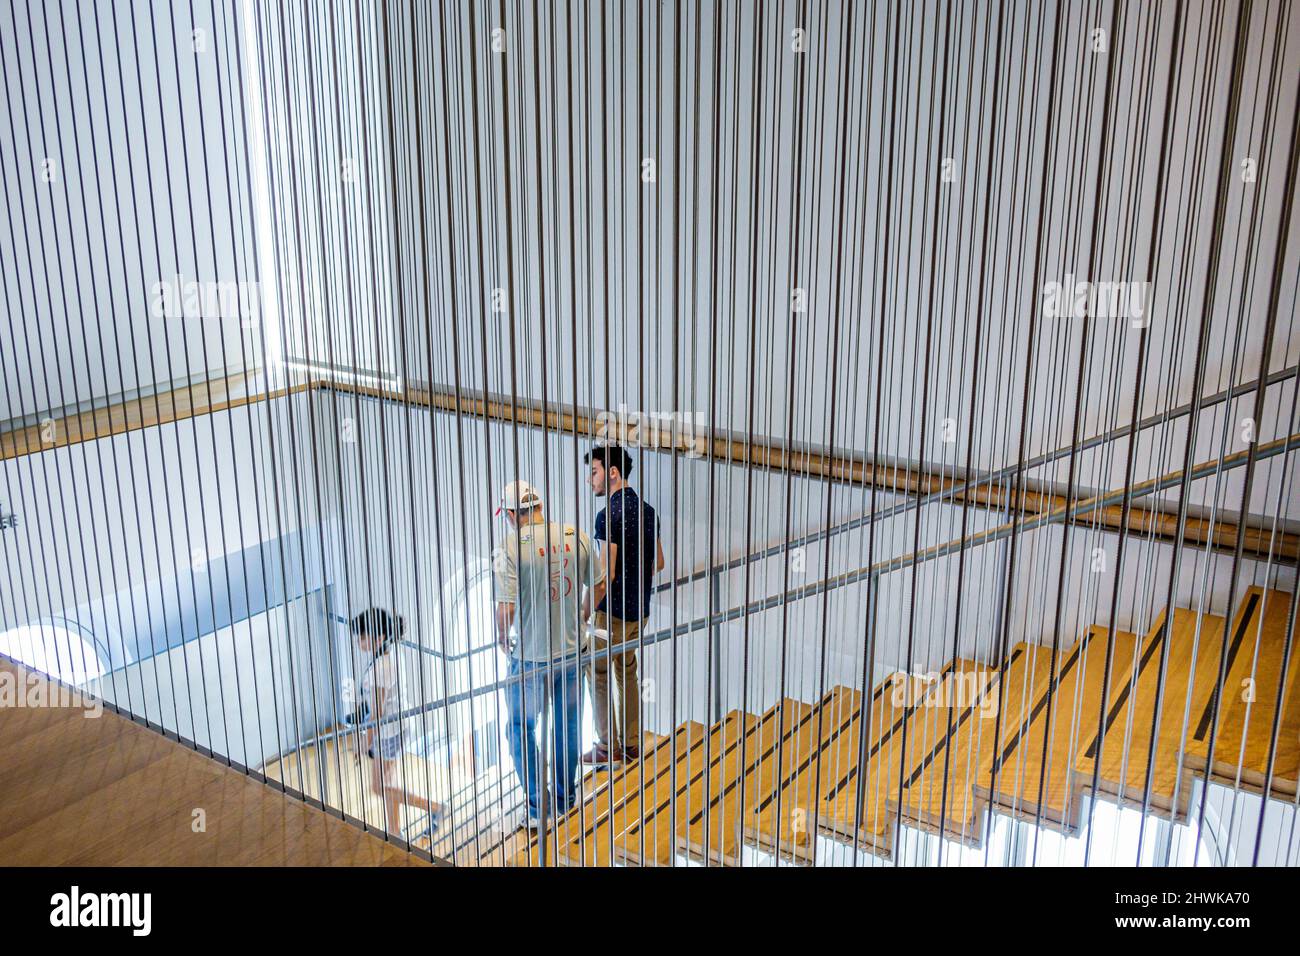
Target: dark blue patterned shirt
<point>630,523</point>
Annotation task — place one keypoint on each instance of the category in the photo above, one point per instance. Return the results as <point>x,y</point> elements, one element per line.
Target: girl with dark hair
<point>377,632</point>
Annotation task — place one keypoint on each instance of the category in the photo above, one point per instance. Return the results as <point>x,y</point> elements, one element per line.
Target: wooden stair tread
<point>656,838</point>
<point>777,761</point>
<point>950,705</point>
<point>474,830</point>
<point>711,831</point>
<point>789,830</point>
<point>867,821</point>
<point>1126,748</point>
<point>955,808</point>
<point>680,807</point>
<point>584,836</point>
<point>1034,774</point>
<point>749,762</point>
<point>1244,735</point>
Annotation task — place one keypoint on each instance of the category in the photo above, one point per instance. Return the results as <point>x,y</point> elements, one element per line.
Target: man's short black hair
<point>611,456</point>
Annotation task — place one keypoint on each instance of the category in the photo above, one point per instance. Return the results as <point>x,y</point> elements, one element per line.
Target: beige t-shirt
<point>541,569</point>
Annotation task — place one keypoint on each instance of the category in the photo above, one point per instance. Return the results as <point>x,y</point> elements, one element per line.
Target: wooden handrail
<point>1149,519</point>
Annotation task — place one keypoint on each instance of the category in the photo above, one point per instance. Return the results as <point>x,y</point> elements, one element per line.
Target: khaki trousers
<point>621,666</point>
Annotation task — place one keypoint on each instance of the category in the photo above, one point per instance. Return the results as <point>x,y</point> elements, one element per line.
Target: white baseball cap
<point>518,495</point>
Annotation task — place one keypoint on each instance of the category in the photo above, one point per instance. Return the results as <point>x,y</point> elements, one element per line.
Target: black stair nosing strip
<point>1165,629</point>
<point>696,777</point>
<point>821,747</point>
<point>627,793</point>
<point>500,840</point>
<point>626,768</point>
<point>466,825</point>
<point>1052,684</point>
<point>732,746</point>
<point>1251,604</point>
<point>604,787</point>
<point>715,760</point>
<point>746,771</point>
<point>948,735</point>
<point>880,741</point>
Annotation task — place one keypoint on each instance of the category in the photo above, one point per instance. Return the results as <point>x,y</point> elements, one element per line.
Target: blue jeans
<point>526,703</point>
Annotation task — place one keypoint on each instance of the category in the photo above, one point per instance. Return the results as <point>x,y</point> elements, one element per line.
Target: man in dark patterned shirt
<point>627,532</point>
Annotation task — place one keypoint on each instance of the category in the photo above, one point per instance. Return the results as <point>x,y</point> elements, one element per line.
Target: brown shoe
<point>598,756</point>
<point>631,753</point>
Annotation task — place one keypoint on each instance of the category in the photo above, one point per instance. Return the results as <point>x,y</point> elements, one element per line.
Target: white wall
<point>244,692</point>
<point>102,516</point>
<point>134,110</point>
<point>592,267</point>
<point>596,254</point>
<point>151,510</point>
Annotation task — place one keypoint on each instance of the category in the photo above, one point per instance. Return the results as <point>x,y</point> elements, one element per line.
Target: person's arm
<point>596,593</point>
<point>505,617</point>
<point>374,710</point>
<point>505,582</point>
<point>659,555</point>
<point>593,596</point>
<point>376,715</point>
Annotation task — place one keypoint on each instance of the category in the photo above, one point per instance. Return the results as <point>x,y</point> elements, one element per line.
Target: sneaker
<point>533,823</point>
<point>431,824</point>
<point>598,756</point>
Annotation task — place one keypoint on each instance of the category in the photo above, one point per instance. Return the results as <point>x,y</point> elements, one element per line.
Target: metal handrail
<point>432,652</point>
<point>964,484</point>
<point>971,483</point>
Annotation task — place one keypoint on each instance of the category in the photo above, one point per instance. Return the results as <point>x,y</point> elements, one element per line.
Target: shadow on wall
<point>133,625</point>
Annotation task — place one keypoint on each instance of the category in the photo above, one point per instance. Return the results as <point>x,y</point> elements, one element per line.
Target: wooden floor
<point>337,775</point>
<point>103,791</point>
<point>480,813</point>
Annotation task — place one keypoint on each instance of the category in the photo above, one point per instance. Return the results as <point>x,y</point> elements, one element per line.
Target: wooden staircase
<point>1030,737</point>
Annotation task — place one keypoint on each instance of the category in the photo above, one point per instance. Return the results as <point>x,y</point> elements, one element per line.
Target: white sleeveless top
<point>381,678</point>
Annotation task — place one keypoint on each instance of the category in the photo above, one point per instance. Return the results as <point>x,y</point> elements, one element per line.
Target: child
<point>377,631</point>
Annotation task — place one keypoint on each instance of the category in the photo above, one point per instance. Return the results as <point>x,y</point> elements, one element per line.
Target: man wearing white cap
<point>539,573</point>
